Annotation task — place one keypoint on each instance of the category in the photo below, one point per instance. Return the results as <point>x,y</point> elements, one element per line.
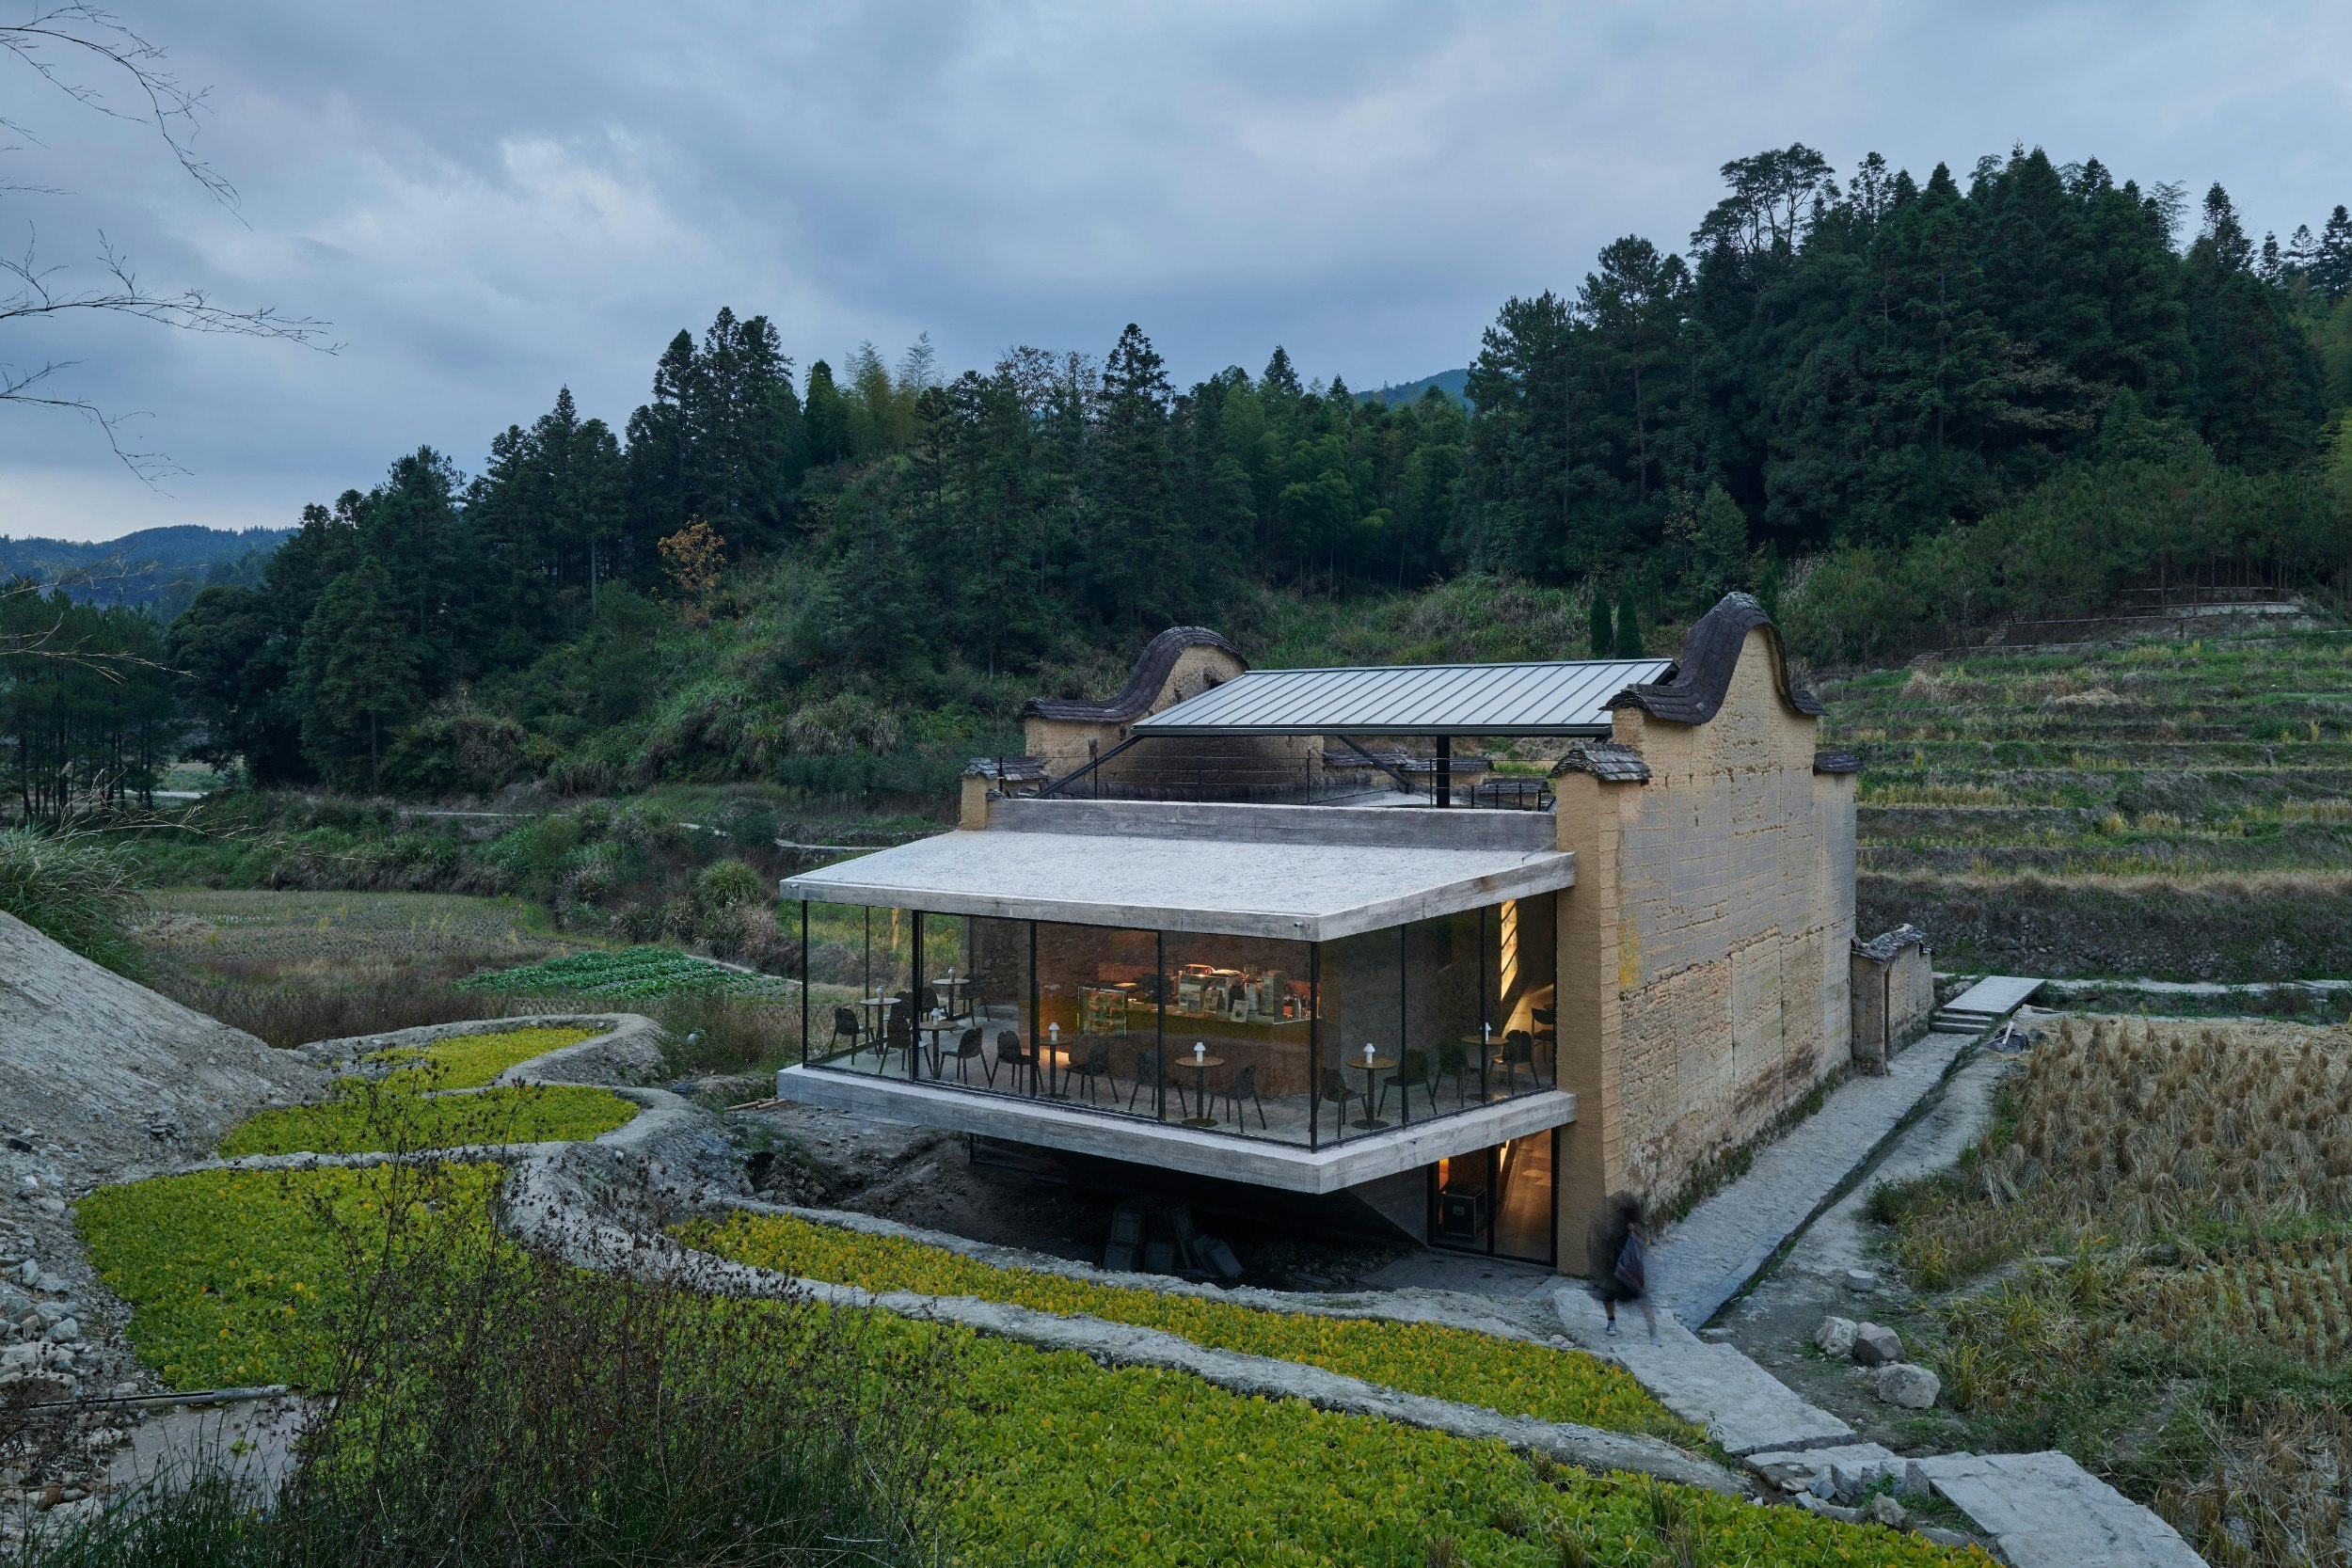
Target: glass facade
<point>1307,1043</point>
<point>1498,1202</point>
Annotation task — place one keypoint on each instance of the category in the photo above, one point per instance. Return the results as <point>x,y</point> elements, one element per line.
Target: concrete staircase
<point>1984,1005</point>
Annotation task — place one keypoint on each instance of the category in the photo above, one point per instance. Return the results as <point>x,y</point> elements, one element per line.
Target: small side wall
<point>1894,997</point>
<point>1703,951</point>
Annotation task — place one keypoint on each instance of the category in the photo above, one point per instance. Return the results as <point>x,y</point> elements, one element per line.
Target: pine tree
<point>2331,259</point>
<point>827,420</point>
<point>358,678</point>
<point>1134,570</point>
<point>1603,634</point>
<point>1629,628</point>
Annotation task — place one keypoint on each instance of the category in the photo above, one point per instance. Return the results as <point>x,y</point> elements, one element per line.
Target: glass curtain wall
<point>1522,960</point>
<point>860,964</point>
<point>1239,1034</point>
<point>1296,1042</point>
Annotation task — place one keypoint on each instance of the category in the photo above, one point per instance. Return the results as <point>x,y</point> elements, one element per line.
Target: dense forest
<point>1889,406</point>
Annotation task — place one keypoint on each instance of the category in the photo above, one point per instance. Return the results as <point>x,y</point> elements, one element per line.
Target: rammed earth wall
<point>1703,949</point>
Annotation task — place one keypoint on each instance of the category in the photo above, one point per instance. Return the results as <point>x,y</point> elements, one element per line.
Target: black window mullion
<point>914,995</point>
<point>1314,1045</point>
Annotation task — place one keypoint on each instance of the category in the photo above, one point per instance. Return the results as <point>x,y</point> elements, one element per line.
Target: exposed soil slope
<point>103,1079</point>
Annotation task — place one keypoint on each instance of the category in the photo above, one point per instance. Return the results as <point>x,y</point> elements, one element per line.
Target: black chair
<point>1010,1055</point>
<point>968,1049</point>
<point>1519,1051</point>
<point>1149,1071</point>
<point>1243,1085</point>
<point>1334,1090</point>
<point>1416,1070</point>
<point>1452,1062</point>
<point>846,1026</point>
<point>1094,1069</point>
<point>897,1034</point>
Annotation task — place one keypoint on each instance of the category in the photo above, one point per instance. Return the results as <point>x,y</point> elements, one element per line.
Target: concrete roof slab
<point>1300,891</point>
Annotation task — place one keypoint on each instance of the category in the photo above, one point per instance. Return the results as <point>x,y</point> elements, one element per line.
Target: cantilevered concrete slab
<point>1365,1157</point>
<point>1304,873</point>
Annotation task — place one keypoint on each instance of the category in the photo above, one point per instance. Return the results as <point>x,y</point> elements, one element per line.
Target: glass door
<point>1500,1202</point>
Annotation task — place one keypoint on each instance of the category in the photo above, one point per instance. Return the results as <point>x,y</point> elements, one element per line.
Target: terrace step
<point>2045,1511</point>
<point>1985,1003</point>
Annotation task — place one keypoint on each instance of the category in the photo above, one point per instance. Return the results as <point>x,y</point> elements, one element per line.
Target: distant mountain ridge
<point>1452,383</point>
<point>146,566</point>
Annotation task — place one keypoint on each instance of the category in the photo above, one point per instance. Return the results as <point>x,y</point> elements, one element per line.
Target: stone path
<point>1725,1242</point>
<point>2048,1512</point>
<point>1743,1406</point>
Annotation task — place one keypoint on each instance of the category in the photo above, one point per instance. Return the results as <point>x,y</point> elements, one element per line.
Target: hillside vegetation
<point>1911,408</point>
<point>2180,809</point>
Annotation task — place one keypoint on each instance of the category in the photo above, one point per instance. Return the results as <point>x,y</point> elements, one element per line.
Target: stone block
<point>1875,1345</point>
<point>1835,1335</point>
<point>1909,1386</point>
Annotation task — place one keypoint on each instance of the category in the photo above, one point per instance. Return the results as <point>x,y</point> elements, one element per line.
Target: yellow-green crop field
<point>228,1272</point>
<point>358,1122</point>
<point>470,1061</point>
<point>1508,1375</point>
<point>1047,1457</point>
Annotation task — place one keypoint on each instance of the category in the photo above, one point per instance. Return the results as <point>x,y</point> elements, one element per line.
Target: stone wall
<point>1893,994</point>
<point>1703,950</point>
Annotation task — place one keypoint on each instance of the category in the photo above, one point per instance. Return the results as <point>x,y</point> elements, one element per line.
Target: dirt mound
<point>102,1079</point>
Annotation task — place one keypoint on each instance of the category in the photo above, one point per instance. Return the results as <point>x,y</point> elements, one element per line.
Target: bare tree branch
<point>50,38</point>
<point>51,42</point>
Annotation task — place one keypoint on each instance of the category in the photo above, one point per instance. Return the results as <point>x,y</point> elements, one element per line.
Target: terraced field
<point>2175,809</point>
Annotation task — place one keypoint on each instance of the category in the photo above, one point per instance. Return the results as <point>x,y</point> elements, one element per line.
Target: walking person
<point>1619,1259</point>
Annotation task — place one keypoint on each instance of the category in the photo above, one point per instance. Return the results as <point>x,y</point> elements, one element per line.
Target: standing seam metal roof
<point>1568,697</point>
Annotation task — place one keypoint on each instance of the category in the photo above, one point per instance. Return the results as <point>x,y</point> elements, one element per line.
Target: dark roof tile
<point>1604,759</point>
<point>1694,692</point>
<point>1135,698</point>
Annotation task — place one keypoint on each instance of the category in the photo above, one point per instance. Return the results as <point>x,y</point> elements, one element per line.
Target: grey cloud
<point>490,199</point>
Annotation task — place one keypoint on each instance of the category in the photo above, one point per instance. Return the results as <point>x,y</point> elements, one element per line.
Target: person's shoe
<point>1613,1329</point>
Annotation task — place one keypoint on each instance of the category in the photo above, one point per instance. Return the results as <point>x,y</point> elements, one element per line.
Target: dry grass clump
<point>2127,1129</point>
<point>2277,1493</point>
<point>2193,1337</point>
<point>2293,1295</point>
<point>2148,1128</point>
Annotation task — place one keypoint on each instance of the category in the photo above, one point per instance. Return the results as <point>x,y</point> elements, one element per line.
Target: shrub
<point>74,888</point>
<point>497,1407</point>
<point>723,884</point>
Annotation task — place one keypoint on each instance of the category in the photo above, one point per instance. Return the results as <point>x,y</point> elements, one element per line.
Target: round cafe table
<point>1201,1066</point>
<point>934,1050</point>
<point>1372,1067</point>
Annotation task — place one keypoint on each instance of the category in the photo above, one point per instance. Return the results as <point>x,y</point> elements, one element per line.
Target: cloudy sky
<point>493,198</point>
